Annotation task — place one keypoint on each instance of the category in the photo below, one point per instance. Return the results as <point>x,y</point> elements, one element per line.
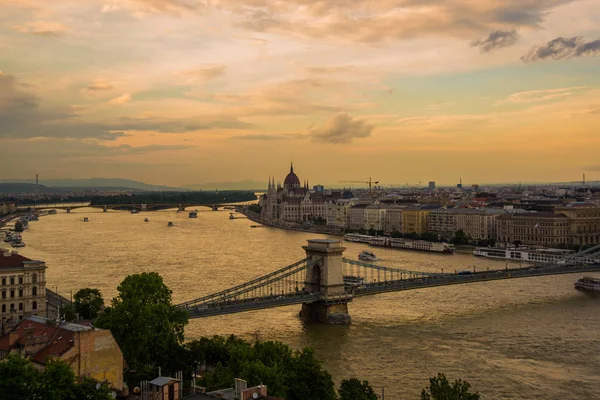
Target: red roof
<point>58,340</point>
<point>12,261</point>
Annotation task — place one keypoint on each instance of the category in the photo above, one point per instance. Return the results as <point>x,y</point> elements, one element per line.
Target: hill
<point>95,183</point>
<point>241,185</point>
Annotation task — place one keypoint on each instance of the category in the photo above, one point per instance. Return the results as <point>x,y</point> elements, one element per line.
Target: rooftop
<point>11,260</point>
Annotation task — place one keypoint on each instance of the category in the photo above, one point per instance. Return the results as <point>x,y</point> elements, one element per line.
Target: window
<point>4,294</point>
<point>12,308</point>
<point>20,292</point>
<point>20,280</point>
<point>12,293</point>
<point>12,280</point>
<point>20,306</point>
<point>34,291</point>
<point>3,308</point>
<point>3,281</point>
<point>34,278</point>
<point>34,305</point>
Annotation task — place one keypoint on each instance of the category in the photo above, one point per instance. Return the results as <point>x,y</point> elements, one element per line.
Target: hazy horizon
<point>177,92</point>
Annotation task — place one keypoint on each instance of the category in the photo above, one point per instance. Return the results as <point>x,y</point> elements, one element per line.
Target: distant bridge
<point>324,282</point>
<point>139,206</point>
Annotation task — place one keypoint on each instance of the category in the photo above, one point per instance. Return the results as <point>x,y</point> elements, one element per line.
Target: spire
<point>291,167</point>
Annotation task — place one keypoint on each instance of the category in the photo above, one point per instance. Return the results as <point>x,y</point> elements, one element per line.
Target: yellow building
<point>414,220</point>
<point>22,288</point>
<point>584,221</point>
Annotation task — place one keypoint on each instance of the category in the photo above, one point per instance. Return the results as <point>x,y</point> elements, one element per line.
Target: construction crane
<point>369,182</point>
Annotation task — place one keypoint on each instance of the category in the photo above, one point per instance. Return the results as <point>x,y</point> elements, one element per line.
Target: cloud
<point>268,137</point>
<point>562,47</point>
<point>126,98</point>
<point>341,129</point>
<point>179,125</point>
<point>204,74</point>
<point>43,28</point>
<point>98,86</point>
<point>592,168</point>
<point>496,40</point>
<point>438,106</point>
<point>533,96</point>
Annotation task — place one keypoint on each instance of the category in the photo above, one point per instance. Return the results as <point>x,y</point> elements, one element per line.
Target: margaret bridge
<point>122,206</point>
<point>325,282</point>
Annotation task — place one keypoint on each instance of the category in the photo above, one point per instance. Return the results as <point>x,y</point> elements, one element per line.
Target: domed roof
<point>291,180</point>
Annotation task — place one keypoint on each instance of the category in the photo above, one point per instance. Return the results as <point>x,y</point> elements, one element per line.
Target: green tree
<point>88,302</point>
<point>57,381</point>
<point>89,389</point>
<point>144,322</point>
<point>459,238</point>
<point>429,236</point>
<point>372,232</point>
<point>18,379</point>
<point>68,312</point>
<point>396,234</point>
<point>440,389</point>
<point>353,389</point>
<point>308,380</point>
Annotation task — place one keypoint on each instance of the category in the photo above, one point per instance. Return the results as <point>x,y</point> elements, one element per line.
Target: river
<point>534,338</point>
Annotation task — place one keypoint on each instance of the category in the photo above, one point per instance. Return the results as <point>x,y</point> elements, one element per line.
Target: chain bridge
<point>324,283</point>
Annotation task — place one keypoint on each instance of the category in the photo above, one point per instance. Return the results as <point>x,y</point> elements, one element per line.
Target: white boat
<point>18,244</point>
<point>406,244</point>
<point>529,255</point>
<point>352,280</point>
<point>367,256</point>
<point>588,284</point>
<point>193,214</point>
<point>135,211</point>
<point>355,237</point>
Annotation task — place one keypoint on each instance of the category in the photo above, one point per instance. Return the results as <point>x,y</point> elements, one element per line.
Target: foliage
<point>68,312</point>
<point>372,232</point>
<point>353,389</point>
<point>412,236</point>
<point>429,236</point>
<point>19,380</point>
<point>397,235</point>
<point>292,375</point>
<point>194,197</point>
<point>459,238</point>
<point>362,231</point>
<point>88,302</point>
<point>144,322</point>
<point>255,208</point>
<point>320,221</point>
<point>440,389</point>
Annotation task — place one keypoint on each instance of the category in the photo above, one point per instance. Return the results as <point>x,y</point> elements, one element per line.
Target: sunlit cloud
<point>533,96</point>
<point>341,129</point>
<point>126,98</point>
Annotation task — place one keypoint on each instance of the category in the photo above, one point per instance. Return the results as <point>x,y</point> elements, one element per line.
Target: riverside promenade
<point>290,226</point>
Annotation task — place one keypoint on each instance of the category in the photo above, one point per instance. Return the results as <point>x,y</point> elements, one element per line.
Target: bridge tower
<point>326,278</point>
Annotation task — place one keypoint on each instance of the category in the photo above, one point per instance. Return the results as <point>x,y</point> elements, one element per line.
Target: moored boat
<point>193,214</point>
<point>588,284</point>
<point>531,255</point>
<point>170,223</point>
<point>145,219</point>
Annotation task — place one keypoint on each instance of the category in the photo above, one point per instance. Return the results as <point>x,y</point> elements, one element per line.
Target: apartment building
<point>536,228</point>
<point>584,223</point>
<point>476,223</point>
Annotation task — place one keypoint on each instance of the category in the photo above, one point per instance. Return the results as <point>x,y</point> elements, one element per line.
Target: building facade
<point>414,219</point>
<point>337,213</point>
<point>22,288</point>
<point>292,201</point>
<point>584,223</point>
<point>478,224</point>
<point>536,228</point>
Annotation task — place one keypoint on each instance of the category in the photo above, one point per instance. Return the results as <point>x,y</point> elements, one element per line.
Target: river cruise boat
<point>367,256</point>
<point>588,284</point>
<point>355,237</point>
<point>193,214</point>
<point>406,244</point>
<point>530,255</point>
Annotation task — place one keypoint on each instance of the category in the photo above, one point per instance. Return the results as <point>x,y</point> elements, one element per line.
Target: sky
<point>177,92</point>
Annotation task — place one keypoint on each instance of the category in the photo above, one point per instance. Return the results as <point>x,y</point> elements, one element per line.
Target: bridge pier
<point>181,208</point>
<point>325,278</point>
<point>105,209</point>
<point>215,207</point>
<point>68,209</point>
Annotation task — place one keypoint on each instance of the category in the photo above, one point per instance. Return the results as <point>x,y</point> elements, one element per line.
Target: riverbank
<point>320,229</point>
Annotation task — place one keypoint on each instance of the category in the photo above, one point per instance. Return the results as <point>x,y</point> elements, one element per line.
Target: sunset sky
<point>179,92</point>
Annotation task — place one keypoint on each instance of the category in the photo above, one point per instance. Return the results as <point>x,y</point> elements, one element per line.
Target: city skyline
<point>176,92</point>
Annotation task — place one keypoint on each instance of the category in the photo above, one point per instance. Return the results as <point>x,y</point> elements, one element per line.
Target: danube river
<point>535,338</point>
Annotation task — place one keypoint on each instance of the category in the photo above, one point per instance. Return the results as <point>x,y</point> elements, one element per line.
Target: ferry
<point>355,237</point>
<point>351,280</point>
<point>530,255</point>
<point>18,244</point>
<point>193,214</point>
<point>135,211</point>
<point>406,244</point>
<point>588,284</point>
<point>367,256</point>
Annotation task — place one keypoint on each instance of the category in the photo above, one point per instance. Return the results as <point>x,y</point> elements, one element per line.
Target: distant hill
<point>95,183</point>
<point>241,185</point>
<point>26,188</point>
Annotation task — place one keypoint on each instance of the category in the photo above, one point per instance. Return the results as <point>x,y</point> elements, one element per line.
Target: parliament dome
<point>291,180</point>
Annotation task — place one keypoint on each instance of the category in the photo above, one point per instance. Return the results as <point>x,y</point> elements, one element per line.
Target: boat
<point>254,226</point>
<point>52,212</point>
<point>367,256</point>
<point>523,253</point>
<point>85,219</point>
<point>421,245</point>
<point>352,280</point>
<point>18,244</point>
<point>19,226</point>
<point>145,219</point>
<point>588,284</point>
<point>231,216</point>
<point>170,223</point>
<point>193,214</point>
<point>135,211</point>
<point>358,238</point>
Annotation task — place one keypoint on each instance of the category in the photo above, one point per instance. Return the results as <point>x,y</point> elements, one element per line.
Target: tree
<point>88,302</point>
<point>429,236</point>
<point>440,389</point>
<point>372,232</point>
<point>308,379</point>
<point>353,389</point>
<point>18,378</point>
<point>144,322</point>
<point>459,238</point>
<point>396,234</point>
<point>67,311</point>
